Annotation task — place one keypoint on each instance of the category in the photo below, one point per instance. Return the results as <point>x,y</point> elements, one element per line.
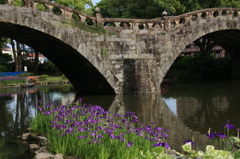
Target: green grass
<point>55,79</point>
<point>18,80</point>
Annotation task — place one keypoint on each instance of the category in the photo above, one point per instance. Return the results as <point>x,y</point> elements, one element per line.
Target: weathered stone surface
<point>43,155</point>
<point>33,147</point>
<point>58,156</point>
<point>95,63</point>
<point>41,149</point>
<point>43,141</point>
<point>32,136</point>
<point>29,129</point>
<point>25,136</point>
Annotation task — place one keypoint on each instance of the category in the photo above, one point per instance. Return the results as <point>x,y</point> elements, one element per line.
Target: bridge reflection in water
<point>197,107</point>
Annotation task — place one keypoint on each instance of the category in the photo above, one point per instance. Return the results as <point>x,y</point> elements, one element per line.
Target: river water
<point>186,110</point>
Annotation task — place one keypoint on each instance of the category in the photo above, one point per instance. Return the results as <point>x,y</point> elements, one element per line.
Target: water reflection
<point>205,105</point>
<point>184,109</point>
<point>18,106</point>
<point>152,108</point>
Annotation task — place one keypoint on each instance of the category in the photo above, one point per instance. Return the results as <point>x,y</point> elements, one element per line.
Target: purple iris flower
<point>237,147</point>
<point>221,135</point>
<point>212,135</point>
<point>228,125</point>
<point>82,137</point>
<point>163,144</point>
<point>158,129</point>
<point>187,141</point>
<point>47,113</point>
<point>99,136</point>
<point>129,144</point>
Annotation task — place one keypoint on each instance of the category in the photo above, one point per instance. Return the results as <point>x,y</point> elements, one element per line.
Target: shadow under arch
<point>81,73</point>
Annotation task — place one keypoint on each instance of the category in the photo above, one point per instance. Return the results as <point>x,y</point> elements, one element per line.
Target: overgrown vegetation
<point>83,26</point>
<point>43,77</point>
<point>48,68</point>
<point>104,51</point>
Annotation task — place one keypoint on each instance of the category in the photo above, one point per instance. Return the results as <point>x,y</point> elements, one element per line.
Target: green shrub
<point>43,77</point>
<point>22,75</point>
<point>64,77</point>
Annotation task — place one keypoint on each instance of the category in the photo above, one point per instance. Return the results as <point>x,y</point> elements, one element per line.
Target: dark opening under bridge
<point>133,56</point>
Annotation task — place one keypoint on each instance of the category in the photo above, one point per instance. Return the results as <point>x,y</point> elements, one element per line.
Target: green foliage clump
<point>43,77</point>
<point>5,66</point>
<point>104,51</point>
<point>41,7</point>
<point>48,68</point>
<point>210,152</point>
<point>86,26</point>
<point>64,77</point>
<point>23,75</point>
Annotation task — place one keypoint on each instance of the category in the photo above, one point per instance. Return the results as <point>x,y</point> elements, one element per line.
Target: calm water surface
<point>184,109</point>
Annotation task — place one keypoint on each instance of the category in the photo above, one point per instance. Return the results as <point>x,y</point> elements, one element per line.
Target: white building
<point>29,56</point>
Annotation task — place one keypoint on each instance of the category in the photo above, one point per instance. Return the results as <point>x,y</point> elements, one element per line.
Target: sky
<point>95,1</point>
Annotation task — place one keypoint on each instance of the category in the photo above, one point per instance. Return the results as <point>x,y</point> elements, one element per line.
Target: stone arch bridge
<point>132,56</point>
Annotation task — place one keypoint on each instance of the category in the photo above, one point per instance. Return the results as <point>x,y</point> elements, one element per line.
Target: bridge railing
<point>66,12</point>
<point>162,23</point>
<point>178,21</point>
<point>134,24</point>
<point>108,23</point>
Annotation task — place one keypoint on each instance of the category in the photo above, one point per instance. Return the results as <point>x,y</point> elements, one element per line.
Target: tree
<point>230,3</point>
<point>145,9</point>
<point>205,44</point>
<point>192,5</point>
<point>81,5</point>
<point>4,58</point>
<point>36,62</point>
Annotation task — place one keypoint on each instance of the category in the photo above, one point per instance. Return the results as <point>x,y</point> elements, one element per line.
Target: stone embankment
<point>40,146</point>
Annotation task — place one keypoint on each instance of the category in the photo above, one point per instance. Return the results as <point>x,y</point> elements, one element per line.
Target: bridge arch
<point>68,47</point>
<point>219,24</point>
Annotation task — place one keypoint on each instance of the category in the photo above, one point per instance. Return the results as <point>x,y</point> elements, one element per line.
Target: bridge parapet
<point>165,23</point>
<point>134,24</point>
<point>66,12</point>
<point>172,23</point>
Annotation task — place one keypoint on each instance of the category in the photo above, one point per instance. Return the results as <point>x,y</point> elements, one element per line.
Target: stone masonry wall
<point>132,60</point>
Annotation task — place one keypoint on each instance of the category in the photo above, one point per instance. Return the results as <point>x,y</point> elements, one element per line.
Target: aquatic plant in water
<point>88,131</point>
<point>228,145</point>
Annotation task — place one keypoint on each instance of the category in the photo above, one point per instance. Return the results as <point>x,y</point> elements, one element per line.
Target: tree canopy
<point>148,9</point>
<point>81,5</point>
<point>138,8</point>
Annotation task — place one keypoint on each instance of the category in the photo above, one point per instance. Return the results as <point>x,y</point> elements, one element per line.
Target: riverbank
<point>39,84</point>
<point>50,80</point>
